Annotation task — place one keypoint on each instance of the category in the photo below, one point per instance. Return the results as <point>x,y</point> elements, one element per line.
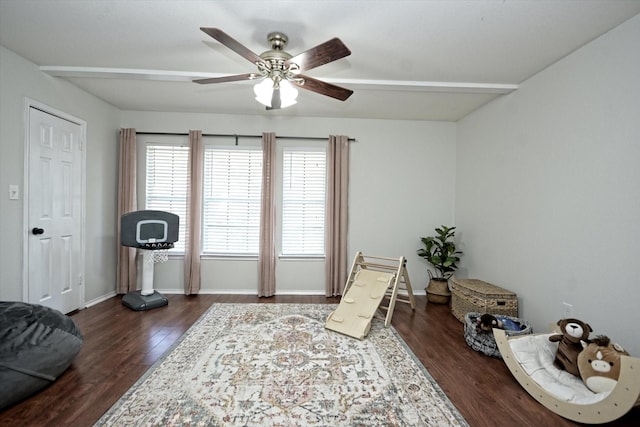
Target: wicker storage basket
<point>438,292</point>
<point>484,341</point>
<point>472,295</point>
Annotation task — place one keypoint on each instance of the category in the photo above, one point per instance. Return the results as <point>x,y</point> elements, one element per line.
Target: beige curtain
<point>336,232</point>
<point>267,250</point>
<point>126,268</point>
<point>194,214</point>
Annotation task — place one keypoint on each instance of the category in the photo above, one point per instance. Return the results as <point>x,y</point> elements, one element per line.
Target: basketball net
<point>157,256</point>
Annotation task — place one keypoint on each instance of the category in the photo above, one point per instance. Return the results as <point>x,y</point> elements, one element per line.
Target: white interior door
<point>55,205</point>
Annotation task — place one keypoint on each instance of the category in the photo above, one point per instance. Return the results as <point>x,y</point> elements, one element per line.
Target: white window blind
<point>303,202</point>
<point>166,188</point>
<point>232,191</point>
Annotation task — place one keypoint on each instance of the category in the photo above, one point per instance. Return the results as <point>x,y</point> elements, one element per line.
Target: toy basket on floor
<point>485,341</point>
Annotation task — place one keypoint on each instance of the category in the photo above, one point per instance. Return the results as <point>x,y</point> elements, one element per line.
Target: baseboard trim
<point>250,292</point>
<point>218,292</point>
<point>98,300</point>
<point>236,292</point>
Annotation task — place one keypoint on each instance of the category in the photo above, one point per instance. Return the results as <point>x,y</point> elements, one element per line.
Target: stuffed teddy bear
<point>599,364</point>
<point>487,322</point>
<point>572,332</point>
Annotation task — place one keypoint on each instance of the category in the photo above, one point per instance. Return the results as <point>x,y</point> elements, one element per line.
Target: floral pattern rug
<point>276,365</point>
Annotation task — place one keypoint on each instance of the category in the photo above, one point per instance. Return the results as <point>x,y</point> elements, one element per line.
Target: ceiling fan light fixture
<point>264,92</point>
<point>288,94</point>
<point>278,67</point>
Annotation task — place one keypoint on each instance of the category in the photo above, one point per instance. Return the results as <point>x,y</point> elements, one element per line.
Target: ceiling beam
<point>361,84</point>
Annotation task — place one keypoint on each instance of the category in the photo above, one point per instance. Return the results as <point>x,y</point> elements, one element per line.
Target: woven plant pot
<point>485,342</point>
<point>438,291</point>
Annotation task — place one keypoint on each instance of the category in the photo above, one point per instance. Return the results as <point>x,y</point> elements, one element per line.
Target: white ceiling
<point>422,60</point>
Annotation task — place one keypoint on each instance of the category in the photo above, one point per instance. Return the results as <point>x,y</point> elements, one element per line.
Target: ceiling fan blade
<point>324,53</point>
<point>234,78</point>
<point>323,88</point>
<point>232,44</point>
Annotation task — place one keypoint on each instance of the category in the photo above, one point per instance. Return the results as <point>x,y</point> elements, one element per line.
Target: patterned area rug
<point>276,365</point>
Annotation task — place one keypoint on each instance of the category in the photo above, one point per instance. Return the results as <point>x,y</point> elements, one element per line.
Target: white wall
<point>548,189</point>
<point>20,79</point>
<point>401,188</point>
<point>394,198</point>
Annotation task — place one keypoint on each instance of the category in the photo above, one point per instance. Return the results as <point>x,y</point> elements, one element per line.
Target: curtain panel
<point>337,200</point>
<point>126,267</point>
<point>194,214</point>
<point>267,249</point>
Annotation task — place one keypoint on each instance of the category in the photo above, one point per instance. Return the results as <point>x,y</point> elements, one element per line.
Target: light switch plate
<point>14,193</point>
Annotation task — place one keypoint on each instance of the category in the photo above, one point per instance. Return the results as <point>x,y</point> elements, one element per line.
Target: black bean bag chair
<point>37,344</point>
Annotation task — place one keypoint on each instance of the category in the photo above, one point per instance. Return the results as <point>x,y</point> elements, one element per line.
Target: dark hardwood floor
<point>121,344</point>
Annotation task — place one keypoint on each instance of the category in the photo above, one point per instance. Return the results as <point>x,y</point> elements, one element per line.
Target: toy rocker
<point>530,358</point>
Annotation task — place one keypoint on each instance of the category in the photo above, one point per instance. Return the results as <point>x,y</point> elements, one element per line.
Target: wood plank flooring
<point>121,344</point>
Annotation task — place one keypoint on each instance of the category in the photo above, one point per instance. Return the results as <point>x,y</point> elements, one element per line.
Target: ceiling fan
<point>280,71</point>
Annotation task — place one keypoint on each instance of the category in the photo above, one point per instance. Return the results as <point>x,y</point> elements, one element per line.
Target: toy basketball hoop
<point>153,233</point>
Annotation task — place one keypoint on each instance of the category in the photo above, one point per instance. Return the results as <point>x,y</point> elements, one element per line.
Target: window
<point>231,198</point>
<point>166,188</point>
<point>303,201</point>
<point>232,191</point>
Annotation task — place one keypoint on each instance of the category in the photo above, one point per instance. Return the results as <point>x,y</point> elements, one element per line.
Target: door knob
<point>37,231</point>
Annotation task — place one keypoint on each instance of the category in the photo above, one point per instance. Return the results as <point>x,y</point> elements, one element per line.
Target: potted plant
<point>440,252</point>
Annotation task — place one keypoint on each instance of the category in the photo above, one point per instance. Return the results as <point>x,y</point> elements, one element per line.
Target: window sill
<point>229,257</point>
<point>220,257</point>
<point>312,258</point>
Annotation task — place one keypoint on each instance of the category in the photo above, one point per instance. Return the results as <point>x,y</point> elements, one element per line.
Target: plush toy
<point>487,322</point>
<point>599,364</point>
<point>572,332</point>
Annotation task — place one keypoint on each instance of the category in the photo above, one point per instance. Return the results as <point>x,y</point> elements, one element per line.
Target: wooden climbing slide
<point>373,287</point>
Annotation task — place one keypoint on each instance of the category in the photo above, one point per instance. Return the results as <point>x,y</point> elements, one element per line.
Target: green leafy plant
<point>440,251</point>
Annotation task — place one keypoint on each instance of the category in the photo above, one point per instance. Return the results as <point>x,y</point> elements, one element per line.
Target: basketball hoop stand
<point>147,298</point>
<point>153,233</point>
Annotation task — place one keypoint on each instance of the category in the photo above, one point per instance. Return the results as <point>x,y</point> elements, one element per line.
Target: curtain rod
<point>314,138</point>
